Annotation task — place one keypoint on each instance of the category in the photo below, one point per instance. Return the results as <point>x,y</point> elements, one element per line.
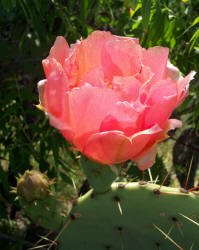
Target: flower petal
<point>88,107</point>
<point>156,59</point>
<point>161,101</point>
<point>94,77</point>
<point>41,85</point>
<point>93,47</point>
<point>114,147</point>
<point>123,118</point>
<point>170,124</point>
<point>55,93</point>
<point>146,158</point>
<point>53,97</point>
<point>172,71</point>
<point>60,50</point>
<point>127,88</point>
<point>58,114</point>
<point>183,86</point>
<point>120,58</point>
<point>50,65</point>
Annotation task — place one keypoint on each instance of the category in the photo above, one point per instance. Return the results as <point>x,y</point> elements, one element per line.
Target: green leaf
<point>65,165</point>
<point>65,178</point>
<point>157,26</point>
<point>146,9</point>
<point>195,21</point>
<point>194,40</point>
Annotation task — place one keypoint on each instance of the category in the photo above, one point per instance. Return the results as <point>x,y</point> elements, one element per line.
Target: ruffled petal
<point>88,107</point>
<point>55,93</point>
<point>156,58</point>
<point>120,58</point>
<point>53,98</point>
<point>127,88</point>
<point>83,56</point>
<point>172,71</point>
<point>161,101</point>
<point>68,134</point>
<point>107,147</point>
<point>123,118</point>
<point>50,65</point>
<point>114,147</point>
<point>41,85</point>
<point>170,124</point>
<point>145,75</point>
<point>146,158</point>
<point>94,77</point>
<point>127,39</point>
<point>54,102</point>
<point>93,47</point>
<point>183,86</point>
<point>60,50</point>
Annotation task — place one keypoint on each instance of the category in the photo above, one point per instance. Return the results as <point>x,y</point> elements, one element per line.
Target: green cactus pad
<point>43,212</point>
<point>132,216</point>
<point>100,177</point>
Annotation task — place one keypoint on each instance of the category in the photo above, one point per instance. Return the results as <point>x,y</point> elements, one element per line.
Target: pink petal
<point>56,88</point>
<point>109,67</point>
<point>93,47</point>
<point>156,59</point>
<point>68,134</point>
<point>161,102</point>
<point>183,86</point>
<point>114,147</point>
<point>54,99</point>
<point>60,50</point>
<point>172,71</point>
<point>41,88</point>
<point>127,39</point>
<point>170,124</point>
<point>58,115</point>
<point>71,66</point>
<point>94,77</point>
<point>147,157</point>
<point>123,118</point>
<point>145,75</point>
<point>89,57</point>
<point>83,56</point>
<point>127,88</point>
<point>88,107</point>
<point>120,58</point>
<point>50,65</point>
<point>107,147</point>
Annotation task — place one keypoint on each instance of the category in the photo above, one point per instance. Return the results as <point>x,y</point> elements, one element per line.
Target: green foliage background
<point>28,29</point>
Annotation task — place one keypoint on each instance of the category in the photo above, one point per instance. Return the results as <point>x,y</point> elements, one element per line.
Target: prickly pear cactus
<point>37,199</point>
<point>133,216</point>
<point>118,216</point>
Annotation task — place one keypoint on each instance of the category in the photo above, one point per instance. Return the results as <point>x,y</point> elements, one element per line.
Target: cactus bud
<point>33,185</point>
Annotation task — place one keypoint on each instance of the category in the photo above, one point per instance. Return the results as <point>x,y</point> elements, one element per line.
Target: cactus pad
<point>133,216</point>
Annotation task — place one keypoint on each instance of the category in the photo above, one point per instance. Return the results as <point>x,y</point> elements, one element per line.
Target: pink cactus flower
<point>111,98</point>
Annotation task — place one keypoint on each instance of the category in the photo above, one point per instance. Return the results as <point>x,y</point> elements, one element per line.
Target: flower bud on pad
<point>33,185</point>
